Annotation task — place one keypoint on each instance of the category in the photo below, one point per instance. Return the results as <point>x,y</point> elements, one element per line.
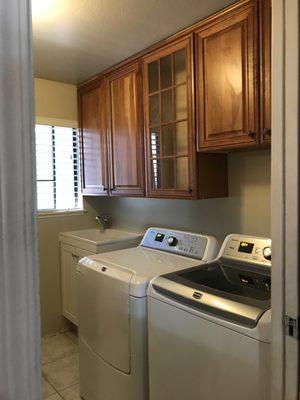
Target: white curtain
<point>19,275</point>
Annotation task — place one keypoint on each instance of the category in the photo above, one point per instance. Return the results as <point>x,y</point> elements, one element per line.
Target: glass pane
<point>154,109</point>
<point>167,106</point>
<point>167,173</point>
<point>179,67</point>
<point>180,102</point>
<point>181,134</point>
<point>153,77</point>
<point>155,141</point>
<point>166,72</point>
<point>44,152</point>
<point>45,195</point>
<point>155,172</point>
<point>65,168</point>
<point>182,173</point>
<point>167,140</point>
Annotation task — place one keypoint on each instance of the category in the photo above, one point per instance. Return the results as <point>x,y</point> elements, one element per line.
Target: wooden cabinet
<point>110,121</point>
<point>92,126</point>
<point>265,70</point>
<point>125,132</point>
<point>173,167</point>
<point>227,85</point>
<point>69,259</point>
<point>169,125</point>
<point>207,88</point>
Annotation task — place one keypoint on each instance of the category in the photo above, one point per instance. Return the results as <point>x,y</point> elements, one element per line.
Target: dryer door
<point>103,303</point>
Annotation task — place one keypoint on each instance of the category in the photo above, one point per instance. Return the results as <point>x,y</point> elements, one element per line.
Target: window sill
<point>59,213</point>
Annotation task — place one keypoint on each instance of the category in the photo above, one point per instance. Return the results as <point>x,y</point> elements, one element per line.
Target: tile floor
<point>60,372</point>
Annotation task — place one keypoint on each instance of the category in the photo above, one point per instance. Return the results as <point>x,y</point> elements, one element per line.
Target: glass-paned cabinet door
<point>171,169</point>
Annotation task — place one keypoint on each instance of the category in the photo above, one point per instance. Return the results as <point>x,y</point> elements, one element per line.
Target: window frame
<point>55,212</point>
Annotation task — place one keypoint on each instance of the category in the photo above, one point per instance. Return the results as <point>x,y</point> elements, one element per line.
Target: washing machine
<point>209,326</point>
<point>112,287</point>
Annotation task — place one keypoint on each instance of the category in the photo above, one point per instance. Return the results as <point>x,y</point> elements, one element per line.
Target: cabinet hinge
<point>292,326</point>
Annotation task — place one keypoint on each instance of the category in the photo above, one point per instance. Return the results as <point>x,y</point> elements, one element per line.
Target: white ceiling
<point>75,39</point>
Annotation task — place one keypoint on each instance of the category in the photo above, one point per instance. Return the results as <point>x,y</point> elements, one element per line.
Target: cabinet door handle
<point>112,189</point>
<point>251,134</point>
<point>267,133</point>
<point>190,190</point>
<point>104,189</point>
<point>75,256</point>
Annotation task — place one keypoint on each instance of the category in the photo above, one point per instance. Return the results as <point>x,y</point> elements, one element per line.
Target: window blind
<point>58,168</point>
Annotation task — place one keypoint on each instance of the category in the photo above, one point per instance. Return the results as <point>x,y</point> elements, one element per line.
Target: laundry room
<point>224,190</point>
<point>156,200</point>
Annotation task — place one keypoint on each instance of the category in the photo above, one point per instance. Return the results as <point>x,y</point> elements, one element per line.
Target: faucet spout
<point>103,220</point>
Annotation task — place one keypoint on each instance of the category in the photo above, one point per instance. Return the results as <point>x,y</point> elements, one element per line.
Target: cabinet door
<point>125,134</point>
<point>169,126</point>
<point>92,124</point>
<point>265,70</point>
<point>69,259</point>
<point>227,84</point>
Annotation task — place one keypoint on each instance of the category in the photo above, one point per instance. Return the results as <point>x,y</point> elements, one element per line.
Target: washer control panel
<point>178,242</point>
<point>248,248</point>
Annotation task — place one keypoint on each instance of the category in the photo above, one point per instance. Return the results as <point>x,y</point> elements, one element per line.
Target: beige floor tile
<point>71,393</point>
<point>62,373</point>
<point>72,335</point>
<point>47,389</point>
<point>54,397</point>
<point>56,347</point>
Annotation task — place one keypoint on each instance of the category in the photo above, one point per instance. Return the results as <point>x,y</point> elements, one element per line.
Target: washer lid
<point>221,290</point>
<point>144,264</point>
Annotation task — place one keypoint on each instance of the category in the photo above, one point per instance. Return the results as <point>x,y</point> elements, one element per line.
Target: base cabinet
<point>69,259</point>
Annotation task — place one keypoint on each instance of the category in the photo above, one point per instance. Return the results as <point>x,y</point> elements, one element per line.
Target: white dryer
<point>112,287</point>
<point>210,326</point>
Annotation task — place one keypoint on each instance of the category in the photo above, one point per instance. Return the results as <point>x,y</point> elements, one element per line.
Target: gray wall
<point>246,210</point>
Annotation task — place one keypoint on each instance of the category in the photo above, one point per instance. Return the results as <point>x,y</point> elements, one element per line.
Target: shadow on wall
<point>246,210</point>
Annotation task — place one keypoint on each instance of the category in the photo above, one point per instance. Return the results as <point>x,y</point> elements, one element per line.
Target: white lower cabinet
<point>70,256</point>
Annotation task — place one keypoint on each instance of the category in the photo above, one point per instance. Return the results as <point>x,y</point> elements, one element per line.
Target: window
<point>57,168</point>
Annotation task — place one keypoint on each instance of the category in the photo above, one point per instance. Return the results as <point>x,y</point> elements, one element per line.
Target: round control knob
<point>267,253</point>
<point>172,241</point>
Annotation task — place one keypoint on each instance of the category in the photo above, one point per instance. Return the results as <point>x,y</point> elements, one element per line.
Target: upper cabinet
<point>161,122</point>
<point>125,131</point>
<point>169,124</point>
<point>92,126</point>
<point>110,123</point>
<point>227,85</point>
<point>265,70</point>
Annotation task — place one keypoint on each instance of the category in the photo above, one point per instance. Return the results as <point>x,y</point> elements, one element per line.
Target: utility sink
<point>97,241</point>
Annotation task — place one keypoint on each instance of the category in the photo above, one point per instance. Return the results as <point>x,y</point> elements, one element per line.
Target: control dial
<point>267,253</point>
<point>172,241</point>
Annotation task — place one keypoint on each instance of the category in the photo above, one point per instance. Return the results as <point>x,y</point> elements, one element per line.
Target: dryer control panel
<point>188,244</point>
<point>247,248</point>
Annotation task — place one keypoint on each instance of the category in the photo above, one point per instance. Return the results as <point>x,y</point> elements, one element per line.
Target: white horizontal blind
<point>58,168</point>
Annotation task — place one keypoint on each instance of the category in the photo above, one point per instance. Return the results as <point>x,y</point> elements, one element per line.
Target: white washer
<point>112,291</point>
<point>209,327</point>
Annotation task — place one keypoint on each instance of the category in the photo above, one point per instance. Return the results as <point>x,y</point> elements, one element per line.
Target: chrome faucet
<point>103,220</point>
